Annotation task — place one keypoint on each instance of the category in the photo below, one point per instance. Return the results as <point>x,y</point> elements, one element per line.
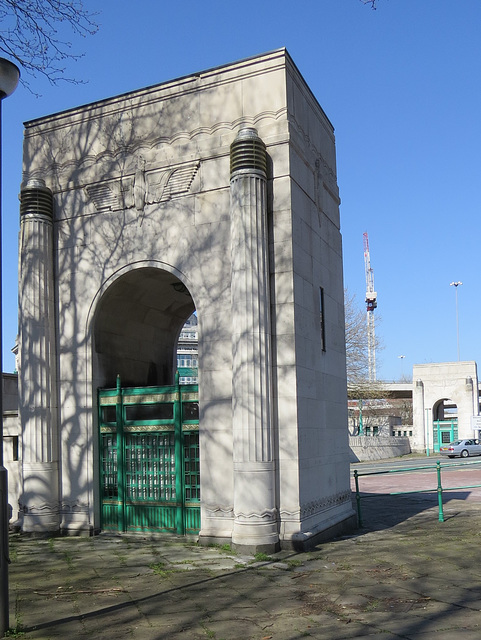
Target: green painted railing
<point>439,488</point>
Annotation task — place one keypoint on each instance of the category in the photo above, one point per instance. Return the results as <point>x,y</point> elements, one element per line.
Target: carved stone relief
<point>135,191</point>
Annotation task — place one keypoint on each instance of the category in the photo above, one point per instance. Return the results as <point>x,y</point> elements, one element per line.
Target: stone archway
<point>148,425</point>
<point>229,178</point>
<point>445,423</point>
<point>445,409</point>
<point>137,323</point>
<point>445,398</point>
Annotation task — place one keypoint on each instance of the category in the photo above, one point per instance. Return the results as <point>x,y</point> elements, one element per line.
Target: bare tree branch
<point>33,34</point>
<point>371,2</point>
<point>356,340</point>
<point>357,361</point>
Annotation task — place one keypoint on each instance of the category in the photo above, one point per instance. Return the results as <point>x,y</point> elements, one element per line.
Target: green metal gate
<point>149,458</point>
<point>444,432</point>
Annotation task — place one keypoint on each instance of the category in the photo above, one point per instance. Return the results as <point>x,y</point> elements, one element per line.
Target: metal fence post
<point>440,492</point>
<point>358,499</point>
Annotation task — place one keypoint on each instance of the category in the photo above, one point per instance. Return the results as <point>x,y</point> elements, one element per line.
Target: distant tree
<point>356,341</point>
<point>33,33</point>
<point>405,408</point>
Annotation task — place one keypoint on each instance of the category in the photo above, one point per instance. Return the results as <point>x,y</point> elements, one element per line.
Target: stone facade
<point>149,223</point>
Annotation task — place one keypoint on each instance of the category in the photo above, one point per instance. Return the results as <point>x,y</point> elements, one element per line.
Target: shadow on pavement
<point>380,511</point>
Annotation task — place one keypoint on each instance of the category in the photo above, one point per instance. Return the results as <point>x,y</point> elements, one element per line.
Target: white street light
<point>456,285</point>
<point>9,77</point>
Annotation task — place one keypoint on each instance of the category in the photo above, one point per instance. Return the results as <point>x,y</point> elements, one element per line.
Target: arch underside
<point>137,326</point>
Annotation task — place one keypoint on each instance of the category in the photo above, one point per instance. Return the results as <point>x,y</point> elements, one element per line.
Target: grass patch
<point>69,560</point>
<point>16,632</point>
<point>293,563</point>
<point>159,569</point>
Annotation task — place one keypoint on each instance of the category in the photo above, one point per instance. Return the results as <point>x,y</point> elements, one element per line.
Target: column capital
<point>248,153</point>
<point>36,200</point>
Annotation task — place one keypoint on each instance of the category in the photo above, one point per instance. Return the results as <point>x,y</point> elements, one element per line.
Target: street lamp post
<point>9,77</point>
<point>456,285</point>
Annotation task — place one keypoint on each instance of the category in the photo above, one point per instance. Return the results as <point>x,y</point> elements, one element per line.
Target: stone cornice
<point>148,145</point>
<point>257,65</point>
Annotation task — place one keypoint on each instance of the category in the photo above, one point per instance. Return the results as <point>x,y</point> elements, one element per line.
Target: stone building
<point>188,352</point>
<point>445,403</point>
<point>440,406</point>
<point>213,193</point>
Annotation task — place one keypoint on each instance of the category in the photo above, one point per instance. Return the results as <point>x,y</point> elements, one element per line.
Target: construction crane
<point>371,304</point>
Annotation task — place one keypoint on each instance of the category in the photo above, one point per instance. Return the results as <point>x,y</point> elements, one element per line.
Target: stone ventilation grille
<point>181,179</point>
<point>248,152</point>
<point>36,199</point>
<point>105,196</point>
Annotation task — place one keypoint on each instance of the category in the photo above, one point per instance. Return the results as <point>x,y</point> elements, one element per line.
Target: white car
<point>461,448</point>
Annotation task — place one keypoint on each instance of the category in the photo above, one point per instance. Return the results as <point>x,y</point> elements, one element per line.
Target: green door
<point>444,432</point>
<point>149,458</point>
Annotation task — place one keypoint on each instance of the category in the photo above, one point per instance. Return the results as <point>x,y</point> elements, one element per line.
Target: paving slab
<point>404,574</point>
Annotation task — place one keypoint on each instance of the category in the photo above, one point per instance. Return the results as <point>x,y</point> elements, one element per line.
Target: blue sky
<point>401,86</point>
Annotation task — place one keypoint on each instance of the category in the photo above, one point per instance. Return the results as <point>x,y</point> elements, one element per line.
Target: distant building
<point>445,403</point>
<point>442,404</point>
<point>188,352</point>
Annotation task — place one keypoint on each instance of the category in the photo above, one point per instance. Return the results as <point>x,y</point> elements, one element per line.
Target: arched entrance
<point>137,325</point>
<point>445,423</point>
<point>148,422</point>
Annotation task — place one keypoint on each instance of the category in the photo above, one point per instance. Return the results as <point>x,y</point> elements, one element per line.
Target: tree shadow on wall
<point>121,205</point>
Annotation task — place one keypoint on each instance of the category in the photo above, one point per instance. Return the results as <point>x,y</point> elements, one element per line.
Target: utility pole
<point>9,77</point>
<point>456,285</point>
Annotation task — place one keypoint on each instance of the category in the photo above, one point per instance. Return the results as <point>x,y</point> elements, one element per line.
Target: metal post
<point>4,556</point>
<point>178,451</point>
<point>9,77</point>
<point>456,285</point>
<point>440,492</point>
<point>119,409</point>
<point>358,499</point>
<point>427,433</point>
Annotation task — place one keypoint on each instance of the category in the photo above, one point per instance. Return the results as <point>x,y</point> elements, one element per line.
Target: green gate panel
<point>149,458</point>
<point>150,467</point>
<point>444,431</point>
<point>110,516</point>
<point>142,517</point>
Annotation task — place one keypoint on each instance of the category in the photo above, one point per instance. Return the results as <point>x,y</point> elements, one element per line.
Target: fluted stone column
<point>255,513</point>
<point>39,499</point>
